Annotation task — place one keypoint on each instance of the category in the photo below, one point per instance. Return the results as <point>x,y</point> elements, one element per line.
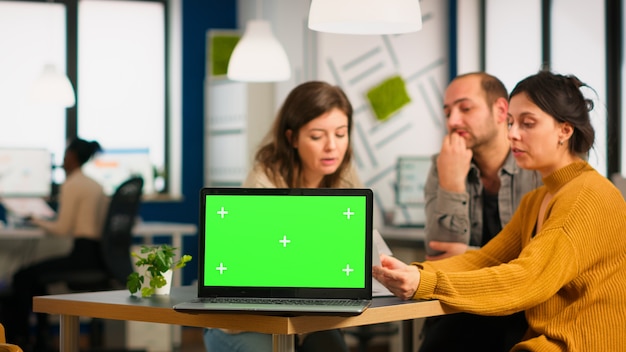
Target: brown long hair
<point>309,100</point>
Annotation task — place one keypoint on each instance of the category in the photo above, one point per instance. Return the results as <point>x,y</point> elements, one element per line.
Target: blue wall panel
<point>198,17</point>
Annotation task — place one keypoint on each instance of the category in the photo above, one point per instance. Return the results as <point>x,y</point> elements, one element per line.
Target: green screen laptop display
<point>271,241</point>
<point>287,242</point>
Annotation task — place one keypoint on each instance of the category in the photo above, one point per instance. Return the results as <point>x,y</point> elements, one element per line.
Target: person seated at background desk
<point>81,213</point>
<point>307,147</point>
<point>561,258</point>
<point>471,192</point>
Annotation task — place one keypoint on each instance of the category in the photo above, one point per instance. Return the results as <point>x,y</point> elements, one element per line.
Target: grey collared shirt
<point>458,217</point>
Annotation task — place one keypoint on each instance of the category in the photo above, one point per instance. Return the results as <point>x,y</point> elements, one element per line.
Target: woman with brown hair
<point>308,146</point>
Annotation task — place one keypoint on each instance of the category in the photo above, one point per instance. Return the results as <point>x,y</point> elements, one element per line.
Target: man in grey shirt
<point>472,190</point>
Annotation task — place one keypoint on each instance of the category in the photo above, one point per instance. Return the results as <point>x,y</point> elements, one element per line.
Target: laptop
<point>19,209</point>
<point>284,251</point>
<point>28,206</point>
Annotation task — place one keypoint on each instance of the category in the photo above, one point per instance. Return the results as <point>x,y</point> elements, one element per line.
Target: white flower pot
<point>165,290</point>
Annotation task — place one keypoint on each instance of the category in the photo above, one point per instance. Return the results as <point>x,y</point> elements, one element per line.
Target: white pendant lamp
<point>54,88</point>
<point>365,16</point>
<point>258,56</point>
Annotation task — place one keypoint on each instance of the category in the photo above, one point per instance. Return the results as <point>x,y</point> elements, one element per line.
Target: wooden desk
<point>119,305</point>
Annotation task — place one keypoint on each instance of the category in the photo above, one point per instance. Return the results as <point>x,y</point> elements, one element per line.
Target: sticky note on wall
<point>388,97</point>
<point>221,48</point>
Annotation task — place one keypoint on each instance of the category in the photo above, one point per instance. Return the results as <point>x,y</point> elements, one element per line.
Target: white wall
<point>578,47</point>
<point>512,42</point>
<point>468,46</point>
<point>513,49</point>
<point>356,63</point>
<point>419,58</point>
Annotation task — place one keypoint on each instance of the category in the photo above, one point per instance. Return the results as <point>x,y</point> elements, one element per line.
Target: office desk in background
<point>119,305</point>
<point>149,229</point>
<point>27,240</point>
<point>404,236</point>
<point>21,233</point>
<point>146,230</point>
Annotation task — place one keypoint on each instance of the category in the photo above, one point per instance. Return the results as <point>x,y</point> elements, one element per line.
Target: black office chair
<point>115,248</point>
<point>115,244</point>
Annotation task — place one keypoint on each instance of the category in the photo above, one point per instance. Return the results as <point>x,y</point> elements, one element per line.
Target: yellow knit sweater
<point>570,278</point>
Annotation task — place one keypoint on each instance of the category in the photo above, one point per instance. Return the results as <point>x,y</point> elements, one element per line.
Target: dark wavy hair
<point>560,97</point>
<point>304,103</point>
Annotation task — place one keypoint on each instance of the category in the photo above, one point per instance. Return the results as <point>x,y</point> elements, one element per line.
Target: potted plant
<point>157,260</point>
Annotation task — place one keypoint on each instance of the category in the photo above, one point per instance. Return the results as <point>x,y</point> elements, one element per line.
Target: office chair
<point>115,242</point>
<point>115,245</point>
<point>7,347</point>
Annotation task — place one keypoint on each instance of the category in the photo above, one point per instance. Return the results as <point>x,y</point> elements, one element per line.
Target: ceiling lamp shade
<point>53,87</point>
<point>258,56</point>
<point>365,16</point>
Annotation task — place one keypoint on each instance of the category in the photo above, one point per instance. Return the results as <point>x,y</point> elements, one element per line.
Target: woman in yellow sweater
<point>562,257</point>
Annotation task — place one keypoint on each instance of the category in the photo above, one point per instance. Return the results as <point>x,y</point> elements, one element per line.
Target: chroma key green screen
<point>271,241</point>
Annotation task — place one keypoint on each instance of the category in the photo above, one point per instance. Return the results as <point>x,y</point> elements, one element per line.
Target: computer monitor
<point>25,172</point>
<point>111,167</point>
<point>411,176</point>
<point>411,173</point>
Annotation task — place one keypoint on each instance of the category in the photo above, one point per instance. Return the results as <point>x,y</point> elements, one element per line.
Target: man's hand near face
<point>453,163</point>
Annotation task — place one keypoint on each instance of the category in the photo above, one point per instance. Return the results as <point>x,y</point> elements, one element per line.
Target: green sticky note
<point>222,47</point>
<point>388,97</point>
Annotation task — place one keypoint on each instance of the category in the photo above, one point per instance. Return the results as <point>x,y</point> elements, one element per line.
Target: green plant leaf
<point>147,291</point>
<point>134,282</point>
<point>157,260</point>
<point>158,281</point>
<point>163,260</point>
<point>182,261</point>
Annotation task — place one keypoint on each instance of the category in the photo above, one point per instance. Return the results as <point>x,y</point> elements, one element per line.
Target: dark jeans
<point>28,282</point>
<point>326,341</point>
<point>216,340</point>
<point>469,332</point>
